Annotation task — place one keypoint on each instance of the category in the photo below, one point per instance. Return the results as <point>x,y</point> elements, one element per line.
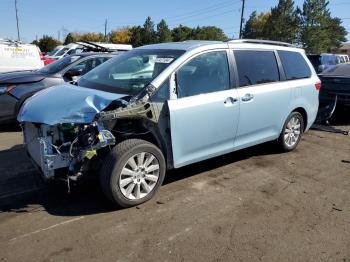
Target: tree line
<point>310,26</point>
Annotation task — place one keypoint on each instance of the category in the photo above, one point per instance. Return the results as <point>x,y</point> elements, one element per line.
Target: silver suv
<point>169,105</point>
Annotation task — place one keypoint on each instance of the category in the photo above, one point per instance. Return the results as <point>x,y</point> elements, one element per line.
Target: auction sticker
<point>164,60</point>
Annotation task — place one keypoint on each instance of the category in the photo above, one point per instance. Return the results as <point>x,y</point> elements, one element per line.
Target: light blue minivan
<point>169,105</point>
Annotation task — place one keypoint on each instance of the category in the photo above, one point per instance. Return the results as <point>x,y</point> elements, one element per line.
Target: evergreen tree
<point>47,43</point>
<point>163,32</point>
<point>182,33</point>
<point>254,28</point>
<point>69,39</point>
<point>283,23</point>
<point>148,32</point>
<point>209,33</point>
<point>319,31</point>
<point>136,36</point>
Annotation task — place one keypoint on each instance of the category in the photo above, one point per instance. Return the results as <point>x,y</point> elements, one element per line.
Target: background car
<point>323,61</point>
<point>81,47</point>
<point>15,56</point>
<point>342,58</point>
<point>16,87</point>
<point>336,83</point>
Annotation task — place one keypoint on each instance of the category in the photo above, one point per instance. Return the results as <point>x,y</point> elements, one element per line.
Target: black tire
<point>114,163</point>
<point>283,146</point>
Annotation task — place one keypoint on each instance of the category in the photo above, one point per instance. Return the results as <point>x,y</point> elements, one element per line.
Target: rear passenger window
<point>256,67</point>
<point>294,65</point>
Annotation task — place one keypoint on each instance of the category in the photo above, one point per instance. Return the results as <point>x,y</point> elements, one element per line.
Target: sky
<point>56,18</point>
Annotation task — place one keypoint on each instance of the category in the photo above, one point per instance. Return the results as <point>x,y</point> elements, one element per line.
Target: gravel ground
<point>251,205</point>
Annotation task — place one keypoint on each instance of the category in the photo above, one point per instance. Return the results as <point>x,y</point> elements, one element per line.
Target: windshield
<point>329,60</point>
<point>130,72</point>
<point>53,51</point>
<point>58,65</point>
<point>62,51</point>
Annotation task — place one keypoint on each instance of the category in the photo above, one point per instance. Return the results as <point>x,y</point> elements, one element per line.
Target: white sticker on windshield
<point>164,60</point>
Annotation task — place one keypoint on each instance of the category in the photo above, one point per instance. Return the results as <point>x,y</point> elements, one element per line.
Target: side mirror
<point>172,86</point>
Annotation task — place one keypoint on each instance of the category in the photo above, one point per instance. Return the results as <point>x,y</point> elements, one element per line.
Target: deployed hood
<point>65,104</point>
<point>21,77</point>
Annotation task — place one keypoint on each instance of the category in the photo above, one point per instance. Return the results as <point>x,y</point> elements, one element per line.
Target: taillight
<point>42,57</point>
<point>318,86</point>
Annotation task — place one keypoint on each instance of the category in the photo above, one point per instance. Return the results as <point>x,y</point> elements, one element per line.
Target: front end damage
<point>63,150</point>
<point>69,150</point>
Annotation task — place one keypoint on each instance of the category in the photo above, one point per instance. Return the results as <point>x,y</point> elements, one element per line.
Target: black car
<point>335,91</point>
<point>16,87</point>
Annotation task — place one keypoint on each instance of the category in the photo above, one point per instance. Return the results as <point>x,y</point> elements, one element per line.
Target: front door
<point>204,116</point>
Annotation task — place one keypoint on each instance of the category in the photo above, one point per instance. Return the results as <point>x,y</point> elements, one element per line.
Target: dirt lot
<point>252,205</point>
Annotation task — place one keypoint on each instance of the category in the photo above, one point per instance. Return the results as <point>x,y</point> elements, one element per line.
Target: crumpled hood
<point>21,77</point>
<point>65,104</point>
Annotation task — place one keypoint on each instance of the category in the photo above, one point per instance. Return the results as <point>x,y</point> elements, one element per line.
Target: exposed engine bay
<point>65,146</point>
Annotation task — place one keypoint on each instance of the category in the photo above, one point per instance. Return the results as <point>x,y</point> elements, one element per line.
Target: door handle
<point>247,97</point>
<point>230,101</point>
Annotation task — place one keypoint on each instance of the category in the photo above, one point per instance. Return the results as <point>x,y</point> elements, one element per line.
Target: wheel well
<point>302,111</point>
<point>127,129</point>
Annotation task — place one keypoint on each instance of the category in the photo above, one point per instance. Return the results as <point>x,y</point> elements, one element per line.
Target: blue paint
<point>65,104</point>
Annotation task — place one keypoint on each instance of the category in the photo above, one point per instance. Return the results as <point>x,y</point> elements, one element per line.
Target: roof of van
<point>192,44</point>
<point>186,45</point>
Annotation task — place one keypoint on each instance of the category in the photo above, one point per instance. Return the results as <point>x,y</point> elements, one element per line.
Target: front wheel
<point>291,133</point>
<point>132,172</point>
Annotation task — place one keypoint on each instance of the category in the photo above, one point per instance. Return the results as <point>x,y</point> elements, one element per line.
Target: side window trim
<point>232,79</point>
<point>280,67</point>
<point>233,69</point>
<point>259,50</point>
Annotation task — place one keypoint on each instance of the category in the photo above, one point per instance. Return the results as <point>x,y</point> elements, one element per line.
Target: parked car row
<point>165,106</point>
<point>17,56</point>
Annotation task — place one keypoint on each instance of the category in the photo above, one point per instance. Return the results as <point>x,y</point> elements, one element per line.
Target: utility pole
<point>106,30</point>
<point>59,35</point>
<point>242,19</point>
<point>18,37</point>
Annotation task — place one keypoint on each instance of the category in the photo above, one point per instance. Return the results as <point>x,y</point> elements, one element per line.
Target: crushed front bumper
<point>48,158</point>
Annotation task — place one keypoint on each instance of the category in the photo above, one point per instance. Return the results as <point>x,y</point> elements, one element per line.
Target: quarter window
<point>205,73</point>
<point>294,65</point>
<point>256,67</point>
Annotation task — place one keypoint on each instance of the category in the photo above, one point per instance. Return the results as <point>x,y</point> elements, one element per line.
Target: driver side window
<point>205,73</point>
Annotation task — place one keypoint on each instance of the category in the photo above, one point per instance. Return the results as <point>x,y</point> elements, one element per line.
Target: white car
<point>17,56</point>
<point>343,58</point>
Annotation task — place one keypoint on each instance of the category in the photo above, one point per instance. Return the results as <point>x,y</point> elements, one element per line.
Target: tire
<point>118,176</point>
<point>294,131</point>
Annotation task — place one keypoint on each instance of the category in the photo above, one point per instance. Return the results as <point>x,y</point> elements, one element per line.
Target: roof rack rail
<point>258,41</point>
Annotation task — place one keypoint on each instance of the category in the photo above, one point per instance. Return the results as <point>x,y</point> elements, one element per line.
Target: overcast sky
<point>38,17</point>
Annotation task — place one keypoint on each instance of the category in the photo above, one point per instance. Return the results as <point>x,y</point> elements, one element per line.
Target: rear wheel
<point>292,132</point>
<point>133,172</point>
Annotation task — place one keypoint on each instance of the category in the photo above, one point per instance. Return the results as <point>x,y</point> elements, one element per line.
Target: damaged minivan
<point>164,106</point>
